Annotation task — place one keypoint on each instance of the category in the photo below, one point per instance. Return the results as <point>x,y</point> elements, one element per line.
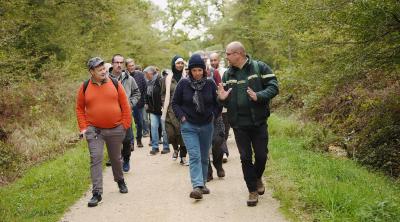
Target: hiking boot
<point>253,199</point>
<point>154,152</point>
<point>205,190</point>
<point>209,176</point>
<point>139,144</point>
<point>108,163</point>
<point>175,155</point>
<point>146,134</point>
<point>221,173</point>
<point>132,147</point>
<point>196,193</point>
<point>122,186</point>
<point>126,166</point>
<point>95,200</point>
<point>260,187</point>
<point>184,162</point>
<point>165,151</point>
<point>159,141</point>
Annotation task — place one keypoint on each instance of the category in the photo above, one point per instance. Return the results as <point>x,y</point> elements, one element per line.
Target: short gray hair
<point>150,69</point>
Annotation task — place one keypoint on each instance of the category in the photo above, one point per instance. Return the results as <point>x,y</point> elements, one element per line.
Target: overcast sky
<point>161,3</point>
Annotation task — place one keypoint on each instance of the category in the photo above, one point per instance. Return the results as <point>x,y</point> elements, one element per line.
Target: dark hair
<point>115,55</point>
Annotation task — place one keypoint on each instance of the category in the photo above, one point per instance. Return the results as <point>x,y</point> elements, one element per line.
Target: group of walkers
<point>191,107</point>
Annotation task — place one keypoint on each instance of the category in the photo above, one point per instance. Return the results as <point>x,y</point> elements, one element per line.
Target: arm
<point>125,107</point>
<point>177,101</point>
<point>167,88</point>
<point>270,84</point>
<point>135,93</point>
<point>80,110</point>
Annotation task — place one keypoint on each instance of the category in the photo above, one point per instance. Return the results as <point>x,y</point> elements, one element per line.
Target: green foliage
<point>46,191</point>
<point>337,61</point>
<point>317,187</point>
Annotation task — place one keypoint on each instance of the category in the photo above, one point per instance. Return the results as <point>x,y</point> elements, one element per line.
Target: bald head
<point>236,47</point>
<point>235,54</point>
<point>214,60</point>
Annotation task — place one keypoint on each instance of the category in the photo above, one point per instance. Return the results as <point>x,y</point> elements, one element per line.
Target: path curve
<point>159,191</point>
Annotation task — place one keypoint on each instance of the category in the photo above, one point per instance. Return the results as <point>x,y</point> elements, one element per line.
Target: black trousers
<point>126,145</point>
<point>249,140</point>
<point>217,154</point>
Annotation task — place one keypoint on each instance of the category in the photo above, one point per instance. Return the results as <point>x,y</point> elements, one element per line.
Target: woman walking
<point>172,124</point>
<point>195,105</point>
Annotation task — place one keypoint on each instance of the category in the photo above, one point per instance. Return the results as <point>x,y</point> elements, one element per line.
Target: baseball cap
<point>94,62</point>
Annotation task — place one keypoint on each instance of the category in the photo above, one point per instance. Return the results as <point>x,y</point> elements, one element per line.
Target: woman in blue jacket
<point>195,105</point>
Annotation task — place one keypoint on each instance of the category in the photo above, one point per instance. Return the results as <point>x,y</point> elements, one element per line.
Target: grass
<point>315,186</point>
<point>46,191</point>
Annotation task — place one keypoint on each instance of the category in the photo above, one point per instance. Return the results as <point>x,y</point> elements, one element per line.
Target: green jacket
<point>242,111</point>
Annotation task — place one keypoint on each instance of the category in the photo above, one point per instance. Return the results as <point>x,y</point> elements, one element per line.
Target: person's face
<point>130,67</point>
<point>179,66</point>
<point>197,73</point>
<point>99,73</point>
<point>118,64</point>
<point>233,57</point>
<point>148,75</point>
<point>214,62</point>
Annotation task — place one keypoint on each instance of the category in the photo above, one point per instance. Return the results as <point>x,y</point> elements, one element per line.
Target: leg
<point>114,138</point>
<point>243,141</point>
<point>154,124</point>
<point>146,123</point>
<point>227,127</point>
<point>205,137</point>
<point>96,145</point>
<point>126,145</point>
<point>260,147</point>
<point>164,135</point>
<point>190,136</point>
<point>138,117</point>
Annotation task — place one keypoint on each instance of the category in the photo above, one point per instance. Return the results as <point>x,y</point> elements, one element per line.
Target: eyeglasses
<point>229,53</point>
<point>119,62</point>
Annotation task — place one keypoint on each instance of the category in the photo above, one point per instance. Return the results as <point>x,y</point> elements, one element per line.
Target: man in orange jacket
<point>103,115</point>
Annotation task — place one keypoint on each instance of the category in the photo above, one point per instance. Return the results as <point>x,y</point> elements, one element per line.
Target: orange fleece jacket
<point>102,106</point>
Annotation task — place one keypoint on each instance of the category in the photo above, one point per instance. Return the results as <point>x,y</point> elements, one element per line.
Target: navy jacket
<point>182,102</point>
<point>141,83</point>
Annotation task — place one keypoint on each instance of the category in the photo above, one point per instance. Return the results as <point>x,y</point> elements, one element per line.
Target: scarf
<point>198,99</point>
<point>150,85</point>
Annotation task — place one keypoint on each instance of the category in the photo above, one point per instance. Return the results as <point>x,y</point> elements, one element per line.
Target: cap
<point>94,62</point>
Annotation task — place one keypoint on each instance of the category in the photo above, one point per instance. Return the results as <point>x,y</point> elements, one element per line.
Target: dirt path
<point>159,191</point>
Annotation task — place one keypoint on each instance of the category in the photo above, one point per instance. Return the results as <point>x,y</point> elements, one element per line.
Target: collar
<point>99,83</point>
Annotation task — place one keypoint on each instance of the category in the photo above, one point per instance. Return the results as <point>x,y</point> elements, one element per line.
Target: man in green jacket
<point>246,90</point>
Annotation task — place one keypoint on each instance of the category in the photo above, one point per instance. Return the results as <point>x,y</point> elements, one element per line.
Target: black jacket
<point>153,101</point>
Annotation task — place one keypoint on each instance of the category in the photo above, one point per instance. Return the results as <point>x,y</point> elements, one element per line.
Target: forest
<point>337,62</point>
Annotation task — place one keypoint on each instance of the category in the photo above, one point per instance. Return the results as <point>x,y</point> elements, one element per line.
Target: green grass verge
<point>314,186</point>
<point>46,191</point>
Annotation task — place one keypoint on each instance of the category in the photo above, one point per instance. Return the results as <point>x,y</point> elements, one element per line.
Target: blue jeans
<point>138,117</point>
<point>145,122</point>
<point>197,139</point>
<point>155,121</point>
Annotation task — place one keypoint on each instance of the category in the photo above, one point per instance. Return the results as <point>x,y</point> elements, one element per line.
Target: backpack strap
<point>256,68</point>
<point>115,82</point>
<point>86,84</point>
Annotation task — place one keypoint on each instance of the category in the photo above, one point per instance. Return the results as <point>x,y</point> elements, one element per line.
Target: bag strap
<point>86,84</point>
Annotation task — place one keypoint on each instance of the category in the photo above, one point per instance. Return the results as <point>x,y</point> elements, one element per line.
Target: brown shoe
<point>260,187</point>
<point>196,193</point>
<point>253,199</point>
<point>139,144</point>
<point>205,190</point>
<point>221,173</point>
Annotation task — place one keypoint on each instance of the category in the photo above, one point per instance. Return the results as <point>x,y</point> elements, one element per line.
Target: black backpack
<point>86,83</point>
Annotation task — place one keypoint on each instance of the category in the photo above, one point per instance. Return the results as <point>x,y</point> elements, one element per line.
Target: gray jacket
<point>130,86</point>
